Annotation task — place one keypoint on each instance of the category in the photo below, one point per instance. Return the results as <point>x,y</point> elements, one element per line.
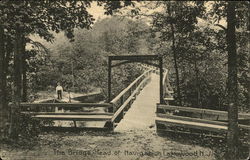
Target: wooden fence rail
<point>167,89</point>
<point>71,105</point>
<point>122,102</point>
<point>86,111</point>
<point>194,118</point>
<point>201,113</point>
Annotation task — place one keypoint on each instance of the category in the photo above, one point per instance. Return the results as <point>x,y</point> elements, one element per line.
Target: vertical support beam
<point>109,125</point>
<point>130,102</point>
<point>72,74</point>
<point>74,123</point>
<point>161,81</point>
<point>109,79</point>
<point>111,109</point>
<point>121,100</point>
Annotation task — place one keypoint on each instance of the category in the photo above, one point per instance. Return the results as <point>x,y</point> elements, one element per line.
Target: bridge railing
<point>167,89</point>
<point>89,111</point>
<point>182,119</point>
<point>37,108</point>
<point>122,102</point>
<point>68,112</point>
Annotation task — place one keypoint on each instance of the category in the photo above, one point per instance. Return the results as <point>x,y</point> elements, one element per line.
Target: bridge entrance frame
<point>145,59</point>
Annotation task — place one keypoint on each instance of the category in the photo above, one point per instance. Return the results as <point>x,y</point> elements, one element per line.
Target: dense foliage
<point>19,20</point>
<point>192,38</point>
<point>205,46</point>
<point>82,65</point>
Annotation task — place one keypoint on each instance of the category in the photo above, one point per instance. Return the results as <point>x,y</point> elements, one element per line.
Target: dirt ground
<point>127,145</point>
<point>134,138</point>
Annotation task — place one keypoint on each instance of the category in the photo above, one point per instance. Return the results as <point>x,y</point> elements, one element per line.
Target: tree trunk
<point>175,59</point>
<point>176,66</point>
<point>17,68</point>
<point>15,110</point>
<point>3,103</point>
<point>24,71</point>
<point>232,136</point>
<point>9,50</point>
<point>24,96</point>
<point>197,82</point>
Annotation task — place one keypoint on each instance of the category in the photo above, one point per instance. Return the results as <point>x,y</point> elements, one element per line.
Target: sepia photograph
<point>124,80</point>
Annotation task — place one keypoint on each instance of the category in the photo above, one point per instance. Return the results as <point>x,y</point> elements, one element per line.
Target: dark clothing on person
<point>59,94</point>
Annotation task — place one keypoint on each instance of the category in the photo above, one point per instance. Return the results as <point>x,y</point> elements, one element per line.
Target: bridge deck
<point>141,115</point>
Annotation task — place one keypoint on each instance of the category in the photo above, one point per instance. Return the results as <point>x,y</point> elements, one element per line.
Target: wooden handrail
<point>66,113</point>
<point>74,117</point>
<point>205,121</point>
<point>199,110</point>
<point>130,86</point>
<point>123,101</point>
<point>191,119</point>
<point>71,105</point>
<point>126,102</point>
<point>194,125</point>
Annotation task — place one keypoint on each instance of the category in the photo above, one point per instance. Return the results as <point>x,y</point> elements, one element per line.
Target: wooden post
<point>15,110</point>
<point>130,92</point>
<point>109,125</point>
<point>74,123</point>
<point>109,79</point>
<point>161,81</point>
<point>111,109</point>
<point>72,72</point>
<point>121,100</point>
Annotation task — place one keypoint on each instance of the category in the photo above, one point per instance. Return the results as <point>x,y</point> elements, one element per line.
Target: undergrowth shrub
<point>29,130</point>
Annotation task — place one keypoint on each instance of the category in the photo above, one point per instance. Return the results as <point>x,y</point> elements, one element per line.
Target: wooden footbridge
<point>166,117</point>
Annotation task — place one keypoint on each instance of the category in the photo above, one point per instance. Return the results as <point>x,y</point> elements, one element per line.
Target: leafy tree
<point>232,83</point>
<point>89,51</point>
<point>176,21</point>
<point>19,19</point>
<point>237,16</point>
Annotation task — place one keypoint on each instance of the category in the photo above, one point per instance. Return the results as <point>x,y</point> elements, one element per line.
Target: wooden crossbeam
<point>168,98</point>
<point>74,117</point>
<point>134,61</point>
<point>196,120</point>
<point>73,129</point>
<point>188,124</point>
<point>135,57</point>
<point>168,116</point>
<point>173,108</point>
<point>71,105</point>
<point>199,110</point>
<point>66,113</point>
<point>192,133</point>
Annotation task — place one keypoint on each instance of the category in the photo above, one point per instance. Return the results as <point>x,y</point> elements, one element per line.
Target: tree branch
<point>221,26</point>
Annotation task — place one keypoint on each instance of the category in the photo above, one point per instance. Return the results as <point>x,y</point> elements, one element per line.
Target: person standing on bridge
<point>59,90</point>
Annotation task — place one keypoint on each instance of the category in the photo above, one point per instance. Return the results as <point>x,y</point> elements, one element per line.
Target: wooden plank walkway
<point>87,111</point>
<point>141,115</point>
